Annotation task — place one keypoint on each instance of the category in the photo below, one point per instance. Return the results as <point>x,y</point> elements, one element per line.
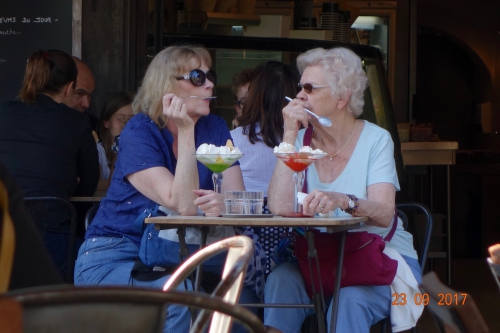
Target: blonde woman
<point>156,166</point>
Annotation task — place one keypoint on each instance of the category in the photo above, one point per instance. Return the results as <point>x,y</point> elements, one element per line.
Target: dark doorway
<point>445,88</point>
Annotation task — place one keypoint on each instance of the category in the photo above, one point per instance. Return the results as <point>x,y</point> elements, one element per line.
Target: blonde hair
<point>343,73</point>
<point>160,78</point>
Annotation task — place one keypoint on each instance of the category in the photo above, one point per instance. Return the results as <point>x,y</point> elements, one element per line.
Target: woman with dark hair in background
<point>261,129</point>
<point>47,146</point>
<point>239,89</point>
<point>115,113</point>
<point>261,124</point>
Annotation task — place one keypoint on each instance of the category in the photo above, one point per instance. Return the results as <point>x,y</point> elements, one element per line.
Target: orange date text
<point>442,299</point>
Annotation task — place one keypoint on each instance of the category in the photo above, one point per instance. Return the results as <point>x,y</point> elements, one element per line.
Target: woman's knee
<point>285,272</point>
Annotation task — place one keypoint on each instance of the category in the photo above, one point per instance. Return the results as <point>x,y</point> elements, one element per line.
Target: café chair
<point>406,213</point>
<point>455,312</point>
<point>7,240</point>
<point>67,206</point>
<point>410,224</point>
<point>89,216</point>
<point>494,262</point>
<point>240,251</point>
<point>110,309</point>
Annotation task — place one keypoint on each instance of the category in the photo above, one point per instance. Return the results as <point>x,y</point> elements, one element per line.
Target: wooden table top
<point>332,223</point>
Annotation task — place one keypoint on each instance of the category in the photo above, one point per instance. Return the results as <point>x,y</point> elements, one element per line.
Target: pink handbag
<point>364,263</point>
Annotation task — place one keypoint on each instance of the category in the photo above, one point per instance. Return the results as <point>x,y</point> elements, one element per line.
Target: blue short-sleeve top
<point>143,145</point>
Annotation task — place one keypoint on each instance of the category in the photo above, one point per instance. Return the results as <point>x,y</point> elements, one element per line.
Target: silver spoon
<point>205,98</point>
<point>322,120</point>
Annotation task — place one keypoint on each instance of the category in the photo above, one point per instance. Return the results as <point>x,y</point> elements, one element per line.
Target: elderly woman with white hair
<point>358,178</point>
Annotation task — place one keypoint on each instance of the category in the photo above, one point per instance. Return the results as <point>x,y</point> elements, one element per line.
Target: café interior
<point>434,81</point>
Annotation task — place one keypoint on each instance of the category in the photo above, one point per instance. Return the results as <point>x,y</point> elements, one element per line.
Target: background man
<point>85,85</point>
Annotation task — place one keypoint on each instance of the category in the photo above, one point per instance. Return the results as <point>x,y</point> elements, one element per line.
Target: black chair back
<point>89,216</point>
<point>35,206</point>
<point>406,212</point>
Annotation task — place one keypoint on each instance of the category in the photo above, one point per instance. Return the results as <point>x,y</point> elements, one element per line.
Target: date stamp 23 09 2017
<point>442,299</point>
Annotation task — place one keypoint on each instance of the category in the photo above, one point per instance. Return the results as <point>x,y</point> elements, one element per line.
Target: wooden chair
<point>7,240</point>
<point>455,312</point>
<point>113,309</point>
<point>240,251</point>
<point>493,262</point>
<point>68,206</point>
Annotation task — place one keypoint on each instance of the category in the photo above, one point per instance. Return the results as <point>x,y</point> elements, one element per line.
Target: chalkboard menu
<point>25,27</point>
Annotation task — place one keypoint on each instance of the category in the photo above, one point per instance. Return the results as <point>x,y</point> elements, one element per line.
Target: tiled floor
<point>474,277</point>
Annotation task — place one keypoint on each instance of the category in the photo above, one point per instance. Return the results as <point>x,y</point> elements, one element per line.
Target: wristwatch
<point>353,204</point>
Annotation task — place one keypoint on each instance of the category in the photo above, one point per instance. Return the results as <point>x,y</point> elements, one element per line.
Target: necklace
<point>349,139</point>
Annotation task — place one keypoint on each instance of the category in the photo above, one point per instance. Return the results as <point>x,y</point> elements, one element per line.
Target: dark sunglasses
<point>240,103</point>
<point>197,77</point>
<point>308,88</point>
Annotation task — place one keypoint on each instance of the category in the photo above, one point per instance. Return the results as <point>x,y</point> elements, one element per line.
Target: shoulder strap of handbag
<point>139,221</point>
<point>307,142</point>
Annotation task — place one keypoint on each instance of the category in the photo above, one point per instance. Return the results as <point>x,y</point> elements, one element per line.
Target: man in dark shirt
<point>32,265</point>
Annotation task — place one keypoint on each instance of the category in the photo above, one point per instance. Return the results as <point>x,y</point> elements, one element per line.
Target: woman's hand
<point>293,116</point>
<point>211,203</point>
<point>323,202</point>
<point>175,110</point>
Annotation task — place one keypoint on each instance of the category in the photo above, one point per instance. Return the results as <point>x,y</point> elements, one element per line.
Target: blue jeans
<point>109,261</point>
<point>359,308</point>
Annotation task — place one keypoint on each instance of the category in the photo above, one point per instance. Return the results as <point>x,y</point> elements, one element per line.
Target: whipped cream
<point>213,149</point>
<point>307,149</point>
<point>284,147</point>
<point>288,148</point>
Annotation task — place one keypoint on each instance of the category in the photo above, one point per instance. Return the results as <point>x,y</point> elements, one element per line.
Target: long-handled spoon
<point>205,98</point>
<point>322,120</point>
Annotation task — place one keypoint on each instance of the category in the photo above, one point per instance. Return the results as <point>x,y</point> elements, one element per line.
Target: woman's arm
<point>379,207</point>
<point>281,188</point>
<point>213,204</point>
<point>158,183</point>
<point>232,179</point>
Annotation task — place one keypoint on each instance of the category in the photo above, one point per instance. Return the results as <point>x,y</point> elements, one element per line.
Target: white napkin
<point>300,197</point>
<point>300,200</point>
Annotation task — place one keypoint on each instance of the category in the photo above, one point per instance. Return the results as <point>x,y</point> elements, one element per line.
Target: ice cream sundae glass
<point>298,161</point>
<point>218,159</point>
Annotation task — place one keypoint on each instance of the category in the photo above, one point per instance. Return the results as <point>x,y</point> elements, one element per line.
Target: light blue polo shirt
<point>372,162</point>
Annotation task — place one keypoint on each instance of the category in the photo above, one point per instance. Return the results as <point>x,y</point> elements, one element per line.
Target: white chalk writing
<point>2,60</point>
<point>42,20</point>
<point>9,32</point>
<point>7,20</point>
<point>28,20</point>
